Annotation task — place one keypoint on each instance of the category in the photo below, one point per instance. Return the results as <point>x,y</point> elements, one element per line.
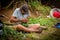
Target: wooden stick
<point>10,4</point>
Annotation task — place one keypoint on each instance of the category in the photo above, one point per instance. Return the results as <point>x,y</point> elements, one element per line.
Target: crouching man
<point>20,16</point>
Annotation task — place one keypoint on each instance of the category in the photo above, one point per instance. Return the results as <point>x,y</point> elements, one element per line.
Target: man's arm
<point>14,16</point>
<point>14,19</point>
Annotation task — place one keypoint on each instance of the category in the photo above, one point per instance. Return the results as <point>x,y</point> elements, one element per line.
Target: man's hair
<point>24,8</point>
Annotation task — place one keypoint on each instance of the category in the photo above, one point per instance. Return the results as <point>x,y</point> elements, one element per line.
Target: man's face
<point>22,11</point>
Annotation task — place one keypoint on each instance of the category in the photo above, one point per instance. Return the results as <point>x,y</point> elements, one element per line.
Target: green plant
<point>42,21</point>
<point>10,34</point>
<point>36,5</point>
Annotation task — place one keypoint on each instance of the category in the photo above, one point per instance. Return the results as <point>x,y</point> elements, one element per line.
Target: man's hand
<point>24,20</point>
<point>14,19</point>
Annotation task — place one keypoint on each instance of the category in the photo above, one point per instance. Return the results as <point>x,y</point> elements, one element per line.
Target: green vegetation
<point>42,21</point>
<point>10,34</point>
<point>38,6</point>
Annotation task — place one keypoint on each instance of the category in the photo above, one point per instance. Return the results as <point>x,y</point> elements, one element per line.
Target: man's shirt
<point>17,13</point>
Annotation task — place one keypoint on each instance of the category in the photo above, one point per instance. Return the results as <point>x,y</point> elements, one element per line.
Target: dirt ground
<point>7,13</point>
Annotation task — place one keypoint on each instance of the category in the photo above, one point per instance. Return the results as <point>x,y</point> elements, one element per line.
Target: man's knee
<point>18,25</point>
<point>37,25</point>
<point>34,24</point>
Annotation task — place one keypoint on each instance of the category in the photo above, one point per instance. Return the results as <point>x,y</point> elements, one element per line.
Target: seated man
<point>20,16</point>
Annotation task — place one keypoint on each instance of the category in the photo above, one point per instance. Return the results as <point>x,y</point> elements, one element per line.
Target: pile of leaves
<point>42,21</point>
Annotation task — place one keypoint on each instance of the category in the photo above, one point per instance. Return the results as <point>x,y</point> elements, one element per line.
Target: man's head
<point>24,9</point>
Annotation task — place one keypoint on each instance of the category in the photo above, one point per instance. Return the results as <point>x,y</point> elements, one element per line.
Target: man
<point>20,16</point>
